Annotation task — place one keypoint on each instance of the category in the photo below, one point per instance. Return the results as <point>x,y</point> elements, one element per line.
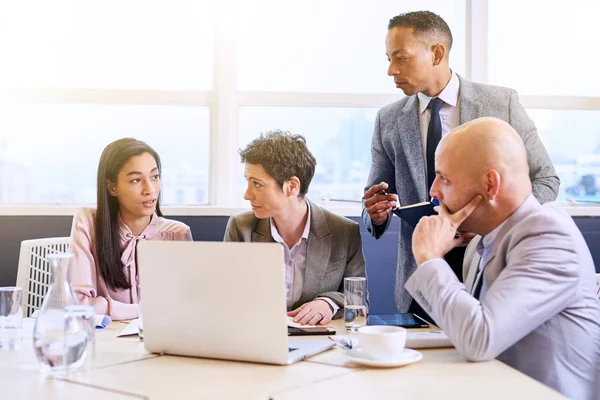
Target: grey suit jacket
<point>334,251</point>
<point>397,158</point>
<point>540,313</point>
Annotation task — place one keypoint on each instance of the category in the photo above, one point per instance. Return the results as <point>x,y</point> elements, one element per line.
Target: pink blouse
<point>86,279</point>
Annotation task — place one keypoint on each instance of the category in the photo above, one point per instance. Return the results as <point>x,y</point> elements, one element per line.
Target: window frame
<point>224,102</point>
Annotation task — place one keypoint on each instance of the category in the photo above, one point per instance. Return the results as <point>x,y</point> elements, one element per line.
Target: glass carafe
<point>49,336</point>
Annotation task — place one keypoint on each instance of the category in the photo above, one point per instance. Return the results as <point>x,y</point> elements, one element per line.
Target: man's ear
<point>493,179</point>
<point>293,186</point>
<point>111,187</point>
<point>438,51</point>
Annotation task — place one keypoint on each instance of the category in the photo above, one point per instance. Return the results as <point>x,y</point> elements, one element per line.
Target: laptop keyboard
<point>290,349</point>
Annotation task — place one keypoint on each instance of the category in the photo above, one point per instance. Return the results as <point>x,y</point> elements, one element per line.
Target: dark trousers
<point>455,259</point>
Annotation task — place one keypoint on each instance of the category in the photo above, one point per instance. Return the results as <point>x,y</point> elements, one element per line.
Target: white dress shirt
<point>295,264</point>
<point>449,113</point>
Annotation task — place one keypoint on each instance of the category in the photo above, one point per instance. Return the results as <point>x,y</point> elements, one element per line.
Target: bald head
<point>484,157</point>
<point>488,143</point>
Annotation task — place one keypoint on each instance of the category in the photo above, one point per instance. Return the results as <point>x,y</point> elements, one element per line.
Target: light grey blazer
<point>334,251</point>
<point>539,314</point>
<point>397,158</point>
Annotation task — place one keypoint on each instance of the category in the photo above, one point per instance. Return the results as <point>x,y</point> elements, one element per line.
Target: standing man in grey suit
<point>321,248</point>
<point>407,132</point>
<point>533,304</point>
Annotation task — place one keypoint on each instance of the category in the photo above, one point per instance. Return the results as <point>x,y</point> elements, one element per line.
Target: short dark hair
<point>424,23</point>
<point>282,155</point>
<point>108,244</point>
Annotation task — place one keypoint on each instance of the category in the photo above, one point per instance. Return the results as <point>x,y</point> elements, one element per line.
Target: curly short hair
<point>282,155</point>
<point>425,24</point>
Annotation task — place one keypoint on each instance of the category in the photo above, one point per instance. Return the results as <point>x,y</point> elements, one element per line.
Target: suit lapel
<point>409,134</point>
<point>499,244</point>
<point>470,105</point>
<point>317,252</point>
<point>262,231</point>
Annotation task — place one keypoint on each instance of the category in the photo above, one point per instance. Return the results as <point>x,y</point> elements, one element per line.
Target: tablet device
<point>405,320</point>
<point>318,330</point>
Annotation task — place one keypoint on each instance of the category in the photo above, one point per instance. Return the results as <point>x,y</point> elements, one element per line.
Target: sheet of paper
<point>290,322</point>
<point>131,329</point>
<point>100,321</point>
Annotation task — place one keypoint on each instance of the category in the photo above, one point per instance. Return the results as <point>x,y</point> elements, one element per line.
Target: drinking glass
<point>140,319</point>
<point>11,316</point>
<point>355,303</point>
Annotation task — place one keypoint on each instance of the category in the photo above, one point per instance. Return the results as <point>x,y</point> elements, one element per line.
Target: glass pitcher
<point>49,337</point>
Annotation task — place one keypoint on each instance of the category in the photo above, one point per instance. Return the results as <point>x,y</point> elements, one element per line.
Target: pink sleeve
<point>84,276</point>
<point>119,311</point>
<point>83,267</point>
<point>187,235</point>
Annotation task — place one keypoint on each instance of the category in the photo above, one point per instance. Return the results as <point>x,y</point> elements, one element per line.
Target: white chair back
<point>34,274</point>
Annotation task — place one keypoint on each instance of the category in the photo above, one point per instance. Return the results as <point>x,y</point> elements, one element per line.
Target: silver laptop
<point>218,300</point>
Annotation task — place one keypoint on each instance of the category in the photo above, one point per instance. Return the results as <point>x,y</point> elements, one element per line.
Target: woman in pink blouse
<point>104,271</point>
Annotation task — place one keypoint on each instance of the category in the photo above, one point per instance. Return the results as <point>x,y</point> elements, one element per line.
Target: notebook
<point>412,213</point>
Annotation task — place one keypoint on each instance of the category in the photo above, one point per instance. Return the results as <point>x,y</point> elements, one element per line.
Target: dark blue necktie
<point>434,135</point>
<point>479,284</point>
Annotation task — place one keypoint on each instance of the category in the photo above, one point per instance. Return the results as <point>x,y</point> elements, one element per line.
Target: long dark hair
<point>108,245</point>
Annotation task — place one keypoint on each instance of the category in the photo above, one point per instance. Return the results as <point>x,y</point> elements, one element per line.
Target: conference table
<point>122,369</point>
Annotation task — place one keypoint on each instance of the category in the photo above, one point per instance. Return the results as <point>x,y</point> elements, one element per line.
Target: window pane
<point>49,153</point>
<point>335,46</point>
<point>338,137</point>
<point>548,49</point>
<point>572,139</point>
<point>109,44</point>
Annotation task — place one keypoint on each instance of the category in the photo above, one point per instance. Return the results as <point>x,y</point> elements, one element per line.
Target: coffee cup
<point>382,342</point>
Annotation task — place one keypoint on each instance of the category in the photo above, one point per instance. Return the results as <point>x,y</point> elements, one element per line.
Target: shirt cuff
<point>331,303</point>
<point>378,223</point>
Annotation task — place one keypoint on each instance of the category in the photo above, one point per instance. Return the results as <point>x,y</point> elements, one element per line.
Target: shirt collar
<point>449,95</point>
<point>126,233</point>
<point>129,241</point>
<point>277,236</point>
<point>488,239</point>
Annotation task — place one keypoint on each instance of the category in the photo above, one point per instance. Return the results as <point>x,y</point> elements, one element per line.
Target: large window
<point>549,48</point>
<point>339,138</point>
<point>76,75</point>
<point>334,46</point>
<point>572,138</point>
<point>109,44</point>
<point>50,152</point>
<point>319,68</point>
<point>199,79</point>
<point>548,56</point>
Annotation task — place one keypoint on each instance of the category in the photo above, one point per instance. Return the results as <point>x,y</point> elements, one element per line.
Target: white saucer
<point>408,356</point>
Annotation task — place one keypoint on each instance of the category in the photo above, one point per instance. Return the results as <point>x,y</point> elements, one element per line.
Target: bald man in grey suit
<point>533,304</point>
<point>418,46</point>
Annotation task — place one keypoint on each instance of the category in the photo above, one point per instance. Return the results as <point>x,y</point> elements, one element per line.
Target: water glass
<point>141,325</point>
<point>11,316</point>
<point>355,303</point>
<point>140,319</point>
